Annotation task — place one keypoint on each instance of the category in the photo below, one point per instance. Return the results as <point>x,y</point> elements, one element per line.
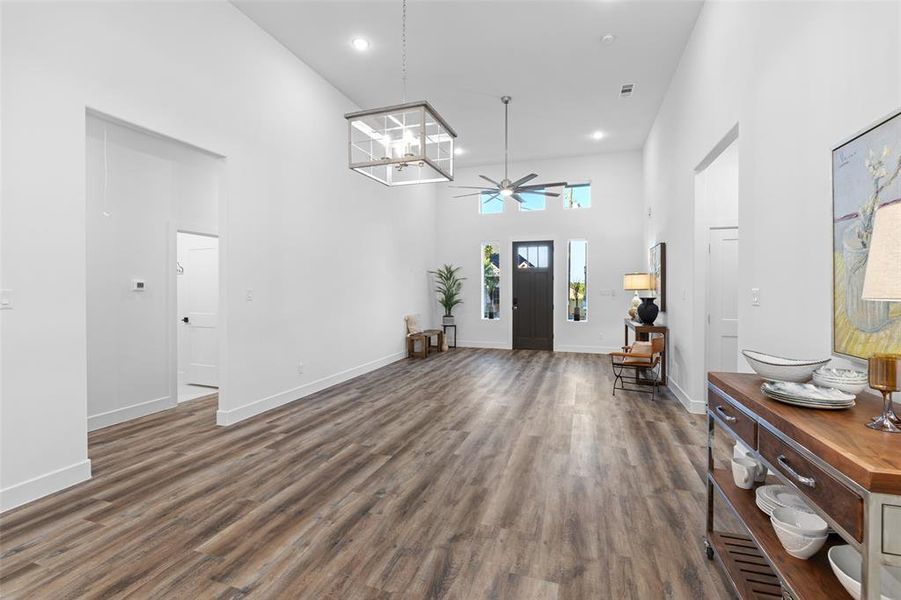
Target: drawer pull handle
<point>726,416</point>
<point>808,481</point>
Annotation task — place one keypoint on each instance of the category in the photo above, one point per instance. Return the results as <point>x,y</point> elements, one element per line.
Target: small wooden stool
<point>423,340</point>
<point>436,333</point>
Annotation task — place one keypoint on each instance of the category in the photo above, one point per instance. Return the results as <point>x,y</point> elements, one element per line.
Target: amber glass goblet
<point>885,376</point>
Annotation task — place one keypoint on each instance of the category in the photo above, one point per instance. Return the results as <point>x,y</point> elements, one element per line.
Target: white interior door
<point>201,280</point>
<point>722,300</point>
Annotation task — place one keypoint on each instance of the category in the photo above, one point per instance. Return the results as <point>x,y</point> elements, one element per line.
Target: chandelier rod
<point>403,46</point>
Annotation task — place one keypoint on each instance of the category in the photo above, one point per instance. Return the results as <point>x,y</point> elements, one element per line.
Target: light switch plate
<point>6,299</point>
<point>755,296</point>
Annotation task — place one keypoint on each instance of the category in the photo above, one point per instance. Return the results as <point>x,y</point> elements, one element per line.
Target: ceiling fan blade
<point>538,192</point>
<point>490,199</point>
<point>522,180</point>
<point>518,198</point>
<point>543,185</point>
<point>473,187</point>
<point>473,194</point>
<point>493,182</point>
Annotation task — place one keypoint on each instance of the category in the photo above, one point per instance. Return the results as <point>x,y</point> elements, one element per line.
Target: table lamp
<point>882,282</point>
<point>636,282</point>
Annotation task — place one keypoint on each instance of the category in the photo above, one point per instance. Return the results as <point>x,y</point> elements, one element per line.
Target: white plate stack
<point>807,395</point>
<point>846,380</point>
<point>771,497</point>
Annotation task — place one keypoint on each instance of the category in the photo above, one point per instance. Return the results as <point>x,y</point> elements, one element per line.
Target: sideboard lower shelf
<point>814,576</point>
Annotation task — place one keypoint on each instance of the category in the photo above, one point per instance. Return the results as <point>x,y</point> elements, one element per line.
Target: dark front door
<point>533,295</point>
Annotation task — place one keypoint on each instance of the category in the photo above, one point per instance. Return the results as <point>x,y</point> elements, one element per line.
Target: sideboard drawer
<point>744,426</point>
<point>832,496</point>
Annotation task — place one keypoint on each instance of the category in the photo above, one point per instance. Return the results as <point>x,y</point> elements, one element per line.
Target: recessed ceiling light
<point>597,135</point>
<point>361,44</point>
<point>458,151</point>
<point>608,39</point>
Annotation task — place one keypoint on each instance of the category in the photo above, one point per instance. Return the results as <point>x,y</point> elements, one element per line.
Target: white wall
<point>612,226</point>
<point>325,251</point>
<point>139,189</point>
<point>796,78</point>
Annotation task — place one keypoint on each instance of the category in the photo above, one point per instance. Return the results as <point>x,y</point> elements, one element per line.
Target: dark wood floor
<point>472,474</point>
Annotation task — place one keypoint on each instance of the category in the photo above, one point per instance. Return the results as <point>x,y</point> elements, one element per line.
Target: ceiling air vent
<point>626,90</point>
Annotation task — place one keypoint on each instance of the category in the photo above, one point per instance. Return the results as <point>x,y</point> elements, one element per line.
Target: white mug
<point>761,468</point>
<point>745,471</point>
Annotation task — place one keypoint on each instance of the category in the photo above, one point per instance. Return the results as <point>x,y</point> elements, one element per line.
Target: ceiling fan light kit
<point>404,144</point>
<point>506,188</point>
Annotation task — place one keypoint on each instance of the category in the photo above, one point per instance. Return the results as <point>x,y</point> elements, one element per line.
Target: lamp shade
<point>638,281</point>
<point>883,277</point>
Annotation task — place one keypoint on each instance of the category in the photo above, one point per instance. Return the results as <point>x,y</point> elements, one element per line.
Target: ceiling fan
<point>505,187</point>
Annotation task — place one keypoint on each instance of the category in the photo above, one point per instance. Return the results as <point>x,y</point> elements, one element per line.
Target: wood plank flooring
<point>471,474</point>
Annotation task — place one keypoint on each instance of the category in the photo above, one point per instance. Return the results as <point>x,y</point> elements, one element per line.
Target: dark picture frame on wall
<point>657,268</point>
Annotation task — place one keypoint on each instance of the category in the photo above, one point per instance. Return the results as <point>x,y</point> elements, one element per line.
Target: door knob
<point>185,320</point>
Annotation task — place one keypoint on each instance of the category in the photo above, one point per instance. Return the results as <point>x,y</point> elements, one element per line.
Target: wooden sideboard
<point>643,333</point>
<point>849,474</point>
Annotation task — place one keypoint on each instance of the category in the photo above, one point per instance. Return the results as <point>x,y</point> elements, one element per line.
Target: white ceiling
<point>463,55</point>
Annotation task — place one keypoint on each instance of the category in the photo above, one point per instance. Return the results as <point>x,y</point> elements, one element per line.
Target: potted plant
<point>491,283</point>
<point>577,293</point>
<point>448,287</point>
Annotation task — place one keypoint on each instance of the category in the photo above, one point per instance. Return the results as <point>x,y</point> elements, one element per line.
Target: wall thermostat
<point>138,285</point>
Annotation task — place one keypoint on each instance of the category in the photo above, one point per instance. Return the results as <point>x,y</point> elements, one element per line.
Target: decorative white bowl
<point>851,388</point>
<point>777,368</point>
<point>796,544</point>
<point>801,523</point>
<point>845,562</point>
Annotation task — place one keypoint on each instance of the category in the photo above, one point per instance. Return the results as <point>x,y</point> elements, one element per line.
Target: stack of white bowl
<point>846,380</point>
<point>802,534</point>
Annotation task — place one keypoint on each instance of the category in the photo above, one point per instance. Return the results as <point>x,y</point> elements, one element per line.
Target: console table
<point>849,474</point>
<point>643,333</point>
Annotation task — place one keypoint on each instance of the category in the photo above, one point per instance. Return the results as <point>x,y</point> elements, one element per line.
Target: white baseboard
<point>587,349</point>
<point>54,481</point>
<point>126,413</point>
<point>490,345</point>
<point>251,409</point>
<point>692,406</point>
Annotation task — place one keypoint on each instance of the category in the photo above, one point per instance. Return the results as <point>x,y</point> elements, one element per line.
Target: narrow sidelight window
<point>491,281</point>
<point>577,306</point>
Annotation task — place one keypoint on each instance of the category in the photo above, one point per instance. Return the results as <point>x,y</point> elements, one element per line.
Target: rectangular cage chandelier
<point>401,145</point>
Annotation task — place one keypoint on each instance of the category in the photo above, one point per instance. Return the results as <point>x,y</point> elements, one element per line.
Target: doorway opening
<point>716,258</point>
<point>533,295</point>
<point>197,285</point>
<point>142,188</point>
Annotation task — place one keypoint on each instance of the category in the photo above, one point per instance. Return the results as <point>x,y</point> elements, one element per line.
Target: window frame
<point>481,204</point>
<point>483,288</point>
<point>543,199</point>
<point>586,184</point>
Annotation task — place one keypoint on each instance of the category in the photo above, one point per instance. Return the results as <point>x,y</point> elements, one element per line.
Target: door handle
<point>185,320</point>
